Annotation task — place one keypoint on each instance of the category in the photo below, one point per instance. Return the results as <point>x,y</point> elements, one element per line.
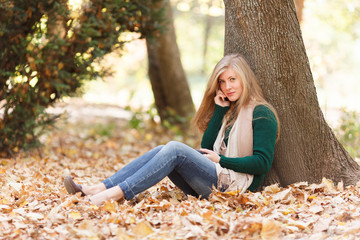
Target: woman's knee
<point>159,147</point>
<point>175,145</point>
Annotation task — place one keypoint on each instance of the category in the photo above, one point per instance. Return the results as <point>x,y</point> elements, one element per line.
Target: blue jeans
<point>189,170</point>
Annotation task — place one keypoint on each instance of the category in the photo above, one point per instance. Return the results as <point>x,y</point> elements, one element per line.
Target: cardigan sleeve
<point>264,136</point>
<point>213,128</point>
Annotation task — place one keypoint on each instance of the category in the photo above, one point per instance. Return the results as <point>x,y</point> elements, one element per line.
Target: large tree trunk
<point>171,90</point>
<point>267,32</point>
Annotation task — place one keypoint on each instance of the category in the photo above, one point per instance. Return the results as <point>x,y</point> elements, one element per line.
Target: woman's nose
<point>228,85</point>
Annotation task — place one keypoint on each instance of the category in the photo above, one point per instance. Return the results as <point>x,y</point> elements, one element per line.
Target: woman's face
<point>230,85</point>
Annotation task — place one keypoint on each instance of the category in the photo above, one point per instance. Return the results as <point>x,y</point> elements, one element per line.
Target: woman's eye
<point>232,79</point>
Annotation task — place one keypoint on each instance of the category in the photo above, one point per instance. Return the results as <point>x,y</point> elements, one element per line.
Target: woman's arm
<point>264,136</point>
<point>213,128</point>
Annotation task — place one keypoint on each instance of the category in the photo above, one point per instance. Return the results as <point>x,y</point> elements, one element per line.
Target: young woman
<point>240,129</point>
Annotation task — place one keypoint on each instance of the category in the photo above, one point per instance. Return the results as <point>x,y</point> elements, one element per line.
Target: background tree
<point>207,28</point>
<point>168,80</point>
<point>299,6</point>
<point>47,51</point>
<point>268,34</point>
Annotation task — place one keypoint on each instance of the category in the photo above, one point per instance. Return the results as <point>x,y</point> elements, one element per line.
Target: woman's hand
<point>220,99</point>
<point>213,156</point>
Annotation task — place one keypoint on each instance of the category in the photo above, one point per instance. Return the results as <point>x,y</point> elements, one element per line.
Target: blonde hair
<point>251,91</point>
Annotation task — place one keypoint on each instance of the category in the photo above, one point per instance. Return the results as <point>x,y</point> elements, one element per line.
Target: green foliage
<point>348,132</point>
<point>175,123</point>
<point>141,117</point>
<point>102,130</point>
<point>47,51</point>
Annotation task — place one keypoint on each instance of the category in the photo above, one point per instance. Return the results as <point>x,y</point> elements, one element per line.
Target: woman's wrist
<point>222,109</point>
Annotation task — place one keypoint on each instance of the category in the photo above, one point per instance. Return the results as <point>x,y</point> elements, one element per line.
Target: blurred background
<point>331,30</point>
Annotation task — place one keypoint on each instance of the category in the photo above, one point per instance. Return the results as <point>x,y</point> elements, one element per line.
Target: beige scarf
<point>240,144</point>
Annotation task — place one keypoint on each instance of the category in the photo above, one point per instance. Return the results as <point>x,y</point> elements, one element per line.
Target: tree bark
<point>168,80</point>
<point>267,33</point>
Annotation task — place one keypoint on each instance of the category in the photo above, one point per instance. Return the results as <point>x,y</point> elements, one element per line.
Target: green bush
<point>348,132</point>
<point>47,51</point>
<point>142,117</point>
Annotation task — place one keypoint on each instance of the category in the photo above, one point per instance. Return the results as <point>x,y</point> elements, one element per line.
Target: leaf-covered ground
<point>34,204</point>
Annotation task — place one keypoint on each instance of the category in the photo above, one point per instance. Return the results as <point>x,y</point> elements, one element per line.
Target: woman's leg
<point>114,193</point>
<point>180,182</point>
<point>197,180</point>
<point>128,170</point>
<point>195,169</point>
<point>131,168</point>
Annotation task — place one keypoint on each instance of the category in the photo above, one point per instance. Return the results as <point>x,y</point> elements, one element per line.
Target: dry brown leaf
<point>2,170</point>
<point>35,216</point>
<point>142,229</point>
<point>271,230</point>
<point>322,224</point>
<point>274,188</point>
<point>208,215</point>
<point>121,234</point>
<point>329,185</point>
<point>340,186</point>
<point>75,215</point>
<point>316,209</point>
<point>89,233</point>
<point>109,206</point>
<point>254,227</point>
<point>283,196</point>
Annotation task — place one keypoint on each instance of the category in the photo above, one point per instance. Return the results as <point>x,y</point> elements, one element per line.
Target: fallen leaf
<point>121,234</point>
<point>271,230</point>
<point>109,206</point>
<point>208,215</point>
<point>2,170</point>
<point>35,216</point>
<point>283,196</point>
<point>142,229</point>
<point>274,188</point>
<point>329,185</point>
<point>316,209</point>
<point>322,224</point>
<point>75,215</point>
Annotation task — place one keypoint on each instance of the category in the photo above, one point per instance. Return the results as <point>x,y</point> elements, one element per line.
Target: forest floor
<point>35,205</point>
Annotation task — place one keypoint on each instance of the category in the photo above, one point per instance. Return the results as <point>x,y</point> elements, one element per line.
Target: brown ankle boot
<point>72,187</point>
